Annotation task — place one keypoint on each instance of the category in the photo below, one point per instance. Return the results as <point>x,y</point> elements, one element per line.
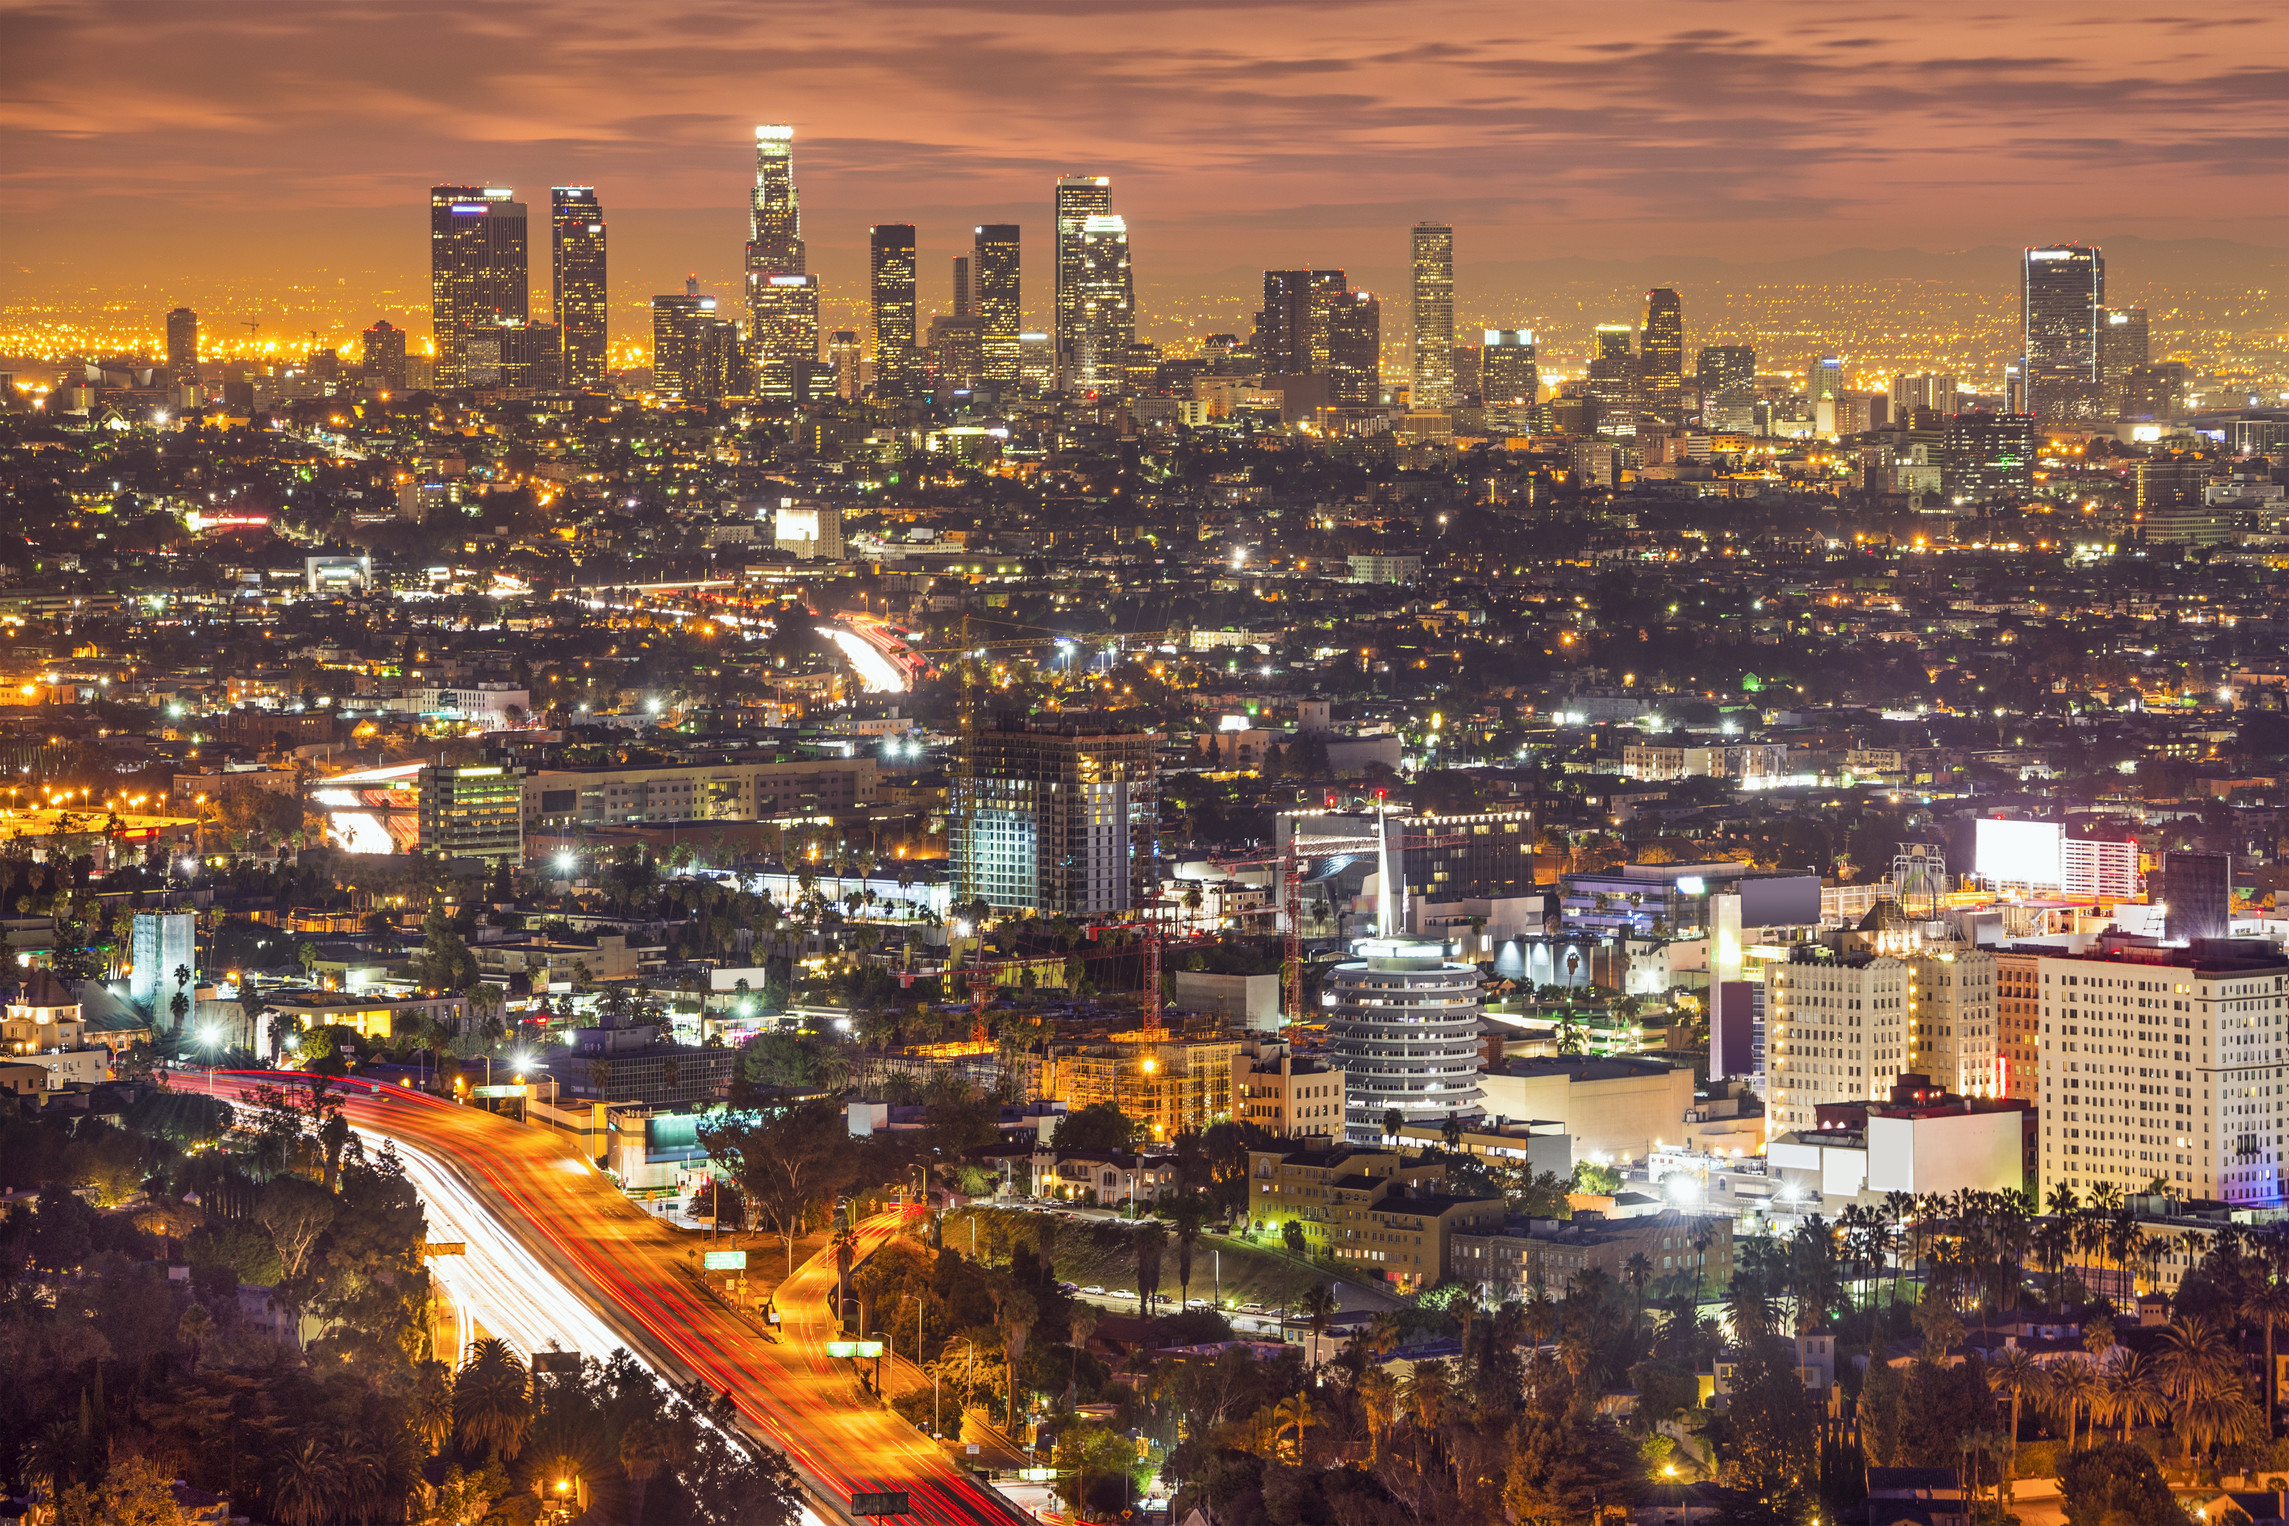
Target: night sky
<point>194,143</point>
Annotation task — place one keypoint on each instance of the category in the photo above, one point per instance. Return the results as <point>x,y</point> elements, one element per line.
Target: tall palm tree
<point>361,1474</point>
<point>1319,1306</point>
<point>2268,1304</point>
<point>2073,1386</point>
<point>2132,1393</point>
<point>1378,1395</point>
<point>2018,1374</point>
<point>2213,1418</point>
<point>303,1484</point>
<point>433,1405</point>
<point>2195,1357</point>
<point>492,1400</point>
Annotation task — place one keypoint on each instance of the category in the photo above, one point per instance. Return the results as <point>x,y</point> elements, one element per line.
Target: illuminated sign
<point>2016,852</point>
<point>854,1348</point>
<point>1692,884</point>
<point>496,1091</point>
<point>477,210</point>
<point>724,1260</point>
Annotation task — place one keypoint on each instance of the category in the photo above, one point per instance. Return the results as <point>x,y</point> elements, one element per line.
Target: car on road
<point>1094,1291</point>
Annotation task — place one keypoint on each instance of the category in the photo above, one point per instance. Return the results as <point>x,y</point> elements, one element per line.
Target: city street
<point>605,1273</point>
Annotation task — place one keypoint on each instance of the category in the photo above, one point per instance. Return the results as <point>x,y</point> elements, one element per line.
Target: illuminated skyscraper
<point>994,299</point>
<point>576,265</point>
<point>843,359</point>
<point>782,296</point>
<point>775,209</point>
<point>479,270</point>
<point>692,348</point>
<point>2122,348</point>
<point>183,345</point>
<point>1508,375</point>
<point>1661,358</point>
<point>1434,316</point>
<point>1079,198</point>
<point>1291,331</point>
<point>1612,381</point>
<point>1354,327</point>
<point>2062,290</point>
<point>962,286</point>
<point>1104,307</point>
<point>892,267</point>
<point>383,355</point>
<point>1724,365</point>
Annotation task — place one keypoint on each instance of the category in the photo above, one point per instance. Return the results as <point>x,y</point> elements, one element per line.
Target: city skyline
<point>1755,150</point>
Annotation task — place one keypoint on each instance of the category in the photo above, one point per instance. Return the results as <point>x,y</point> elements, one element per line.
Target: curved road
<point>631,1269</point>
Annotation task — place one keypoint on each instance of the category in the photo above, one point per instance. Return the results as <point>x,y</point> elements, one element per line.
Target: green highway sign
<point>1036,1475</point>
<point>496,1091</point>
<point>881,1502</point>
<point>724,1260</point>
<point>854,1348</point>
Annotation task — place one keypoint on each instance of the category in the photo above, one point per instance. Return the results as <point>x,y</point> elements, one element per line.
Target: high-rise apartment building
<point>1079,198</point>
<point>183,345</point>
<point>1923,392</point>
<point>891,267</point>
<point>691,347</point>
<point>843,360</point>
<point>576,269</point>
<point>1354,349</point>
<point>382,355</point>
<point>1612,381</point>
<point>2062,294</point>
<point>994,299</point>
<point>1837,1029</point>
<point>1661,358</point>
<point>1433,379</point>
<point>2163,1063</point>
<point>1984,456</point>
<point>782,296</point>
<point>2123,346</point>
<point>1724,365</point>
<point>479,271</point>
<point>1104,308</point>
<point>1952,1019</point>
<point>1509,379</point>
<point>1059,815</point>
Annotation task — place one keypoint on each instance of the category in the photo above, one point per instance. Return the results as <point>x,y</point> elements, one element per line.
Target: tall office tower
<point>1724,365</point>
<point>1508,377</point>
<point>684,339</point>
<point>994,299</point>
<point>183,345</point>
<point>782,296</point>
<point>2123,347</point>
<point>783,334</point>
<point>1837,1030</point>
<point>1434,316</point>
<point>961,286</point>
<point>2197,1032</point>
<point>775,209</point>
<point>2062,290</point>
<point>1986,456</point>
<point>479,270</point>
<point>843,360</point>
<point>1824,380</point>
<point>1354,349</point>
<point>1291,331</point>
<point>1925,392</point>
<point>382,357</point>
<point>576,267</point>
<point>1056,814</point>
<point>891,263</point>
<point>1612,382</point>
<point>1104,308</point>
<point>1037,361</point>
<point>1661,358</point>
<point>1079,198</point>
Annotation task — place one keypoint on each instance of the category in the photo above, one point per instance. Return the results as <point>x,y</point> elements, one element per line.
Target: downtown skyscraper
<point>782,295</point>
<point>1104,308</point>
<point>1079,198</point>
<point>891,284</point>
<point>994,300</point>
<point>1661,358</point>
<point>479,273</point>
<point>2062,291</point>
<point>1433,377</point>
<point>576,271</point>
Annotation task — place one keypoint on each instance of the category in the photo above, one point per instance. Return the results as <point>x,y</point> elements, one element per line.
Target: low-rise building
<point>1615,1109</point>
<point>1686,1252</point>
<point>633,1064</point>
<point>1171,1083</point>
<point>1281,1092</point>
<point>42,1028</point>
<point>374,1014</point>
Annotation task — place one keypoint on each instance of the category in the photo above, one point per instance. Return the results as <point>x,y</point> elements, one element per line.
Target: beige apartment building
<point>732,790</point>
<point>1167,1082</point>
<point>1837,1029</point>
<point>1300,1097</point>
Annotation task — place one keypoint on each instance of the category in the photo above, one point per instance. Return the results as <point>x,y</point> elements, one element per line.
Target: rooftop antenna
<point>1386,923</point>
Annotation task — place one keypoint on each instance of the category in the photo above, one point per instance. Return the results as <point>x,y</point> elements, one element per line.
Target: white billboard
<point>2017,852</point>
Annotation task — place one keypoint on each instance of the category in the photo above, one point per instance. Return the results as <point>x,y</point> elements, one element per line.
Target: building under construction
<point>1057,815</point>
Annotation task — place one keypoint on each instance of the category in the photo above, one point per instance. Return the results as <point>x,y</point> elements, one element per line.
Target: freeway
<point>630,1272</point>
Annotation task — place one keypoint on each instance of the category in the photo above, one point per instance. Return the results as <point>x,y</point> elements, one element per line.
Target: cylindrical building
<point>1404,1029</point>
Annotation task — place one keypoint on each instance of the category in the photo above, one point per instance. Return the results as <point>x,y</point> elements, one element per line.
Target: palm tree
<point>1378,1395</point>
<point>2196,1357</point>
<point>302,1484</point>
<point>1295,1411</point>
<point>433,1405</point>
<point>492,1403</point>
<point>2268,1304</point>
<point>644,1449</point>
<point>2213,1418</point>
<point>1149,1241</point>
<point>1635,1270</point>
<point>1319,1306</point>
<point>361,1474</point>
<point>2018,1374</point>
<point>2132,1393</point>
<point>1188,1213</point>
<point>2073,1384</point>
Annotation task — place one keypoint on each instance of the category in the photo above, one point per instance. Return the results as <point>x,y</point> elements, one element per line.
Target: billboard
<point>2016,852</point>
<point>1783,900</point>
<point>1732,1029</point>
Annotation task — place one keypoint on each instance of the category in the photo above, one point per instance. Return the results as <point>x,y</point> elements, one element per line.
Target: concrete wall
<point>1979,1150</point>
